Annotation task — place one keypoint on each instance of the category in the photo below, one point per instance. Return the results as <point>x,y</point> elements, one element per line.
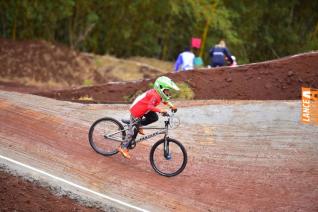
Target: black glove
<point>164,113</point>
<point>174,109</point>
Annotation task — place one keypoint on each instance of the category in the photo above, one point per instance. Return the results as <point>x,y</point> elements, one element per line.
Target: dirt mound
<point>271,80</point>
<point>40,61</point>
<point>17,87</point>
<point>18,194</point>
<point>43,64</point>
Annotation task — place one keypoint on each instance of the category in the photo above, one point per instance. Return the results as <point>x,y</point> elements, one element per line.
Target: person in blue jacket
<point>218,54</point>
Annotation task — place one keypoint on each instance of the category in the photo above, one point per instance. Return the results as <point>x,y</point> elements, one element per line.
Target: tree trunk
<point>206,29</point>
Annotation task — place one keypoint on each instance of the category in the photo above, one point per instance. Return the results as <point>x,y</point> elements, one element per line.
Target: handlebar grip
<point>164,113</point>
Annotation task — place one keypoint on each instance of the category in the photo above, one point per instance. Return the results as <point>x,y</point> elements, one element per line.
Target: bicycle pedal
<point>132,145</point>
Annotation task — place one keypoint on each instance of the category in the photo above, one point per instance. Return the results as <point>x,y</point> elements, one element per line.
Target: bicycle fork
<point>166,151</point>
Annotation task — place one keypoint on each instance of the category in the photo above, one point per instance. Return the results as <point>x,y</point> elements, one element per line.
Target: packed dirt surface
<point>280,79</point>
<point>18,194</point>
<point>242,155</point>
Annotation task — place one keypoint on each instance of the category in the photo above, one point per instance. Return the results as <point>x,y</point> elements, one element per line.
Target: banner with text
<point>309,113</point>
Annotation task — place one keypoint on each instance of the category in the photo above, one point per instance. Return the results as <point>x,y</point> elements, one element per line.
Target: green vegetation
<point>253,30</point>
<point>88,82</point>
<point>185,92</point>
<point>86,98</point>
<point>98,62</point>
<point>131,98</point>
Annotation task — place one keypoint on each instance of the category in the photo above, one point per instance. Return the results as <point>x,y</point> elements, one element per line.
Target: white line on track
<point>72,184</point>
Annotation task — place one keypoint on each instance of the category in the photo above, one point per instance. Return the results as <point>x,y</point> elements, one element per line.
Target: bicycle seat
<point>125,121</point>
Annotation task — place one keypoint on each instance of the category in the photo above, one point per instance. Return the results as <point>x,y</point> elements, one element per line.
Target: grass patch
<point>131,98</point>
<point>98,62</point>
<point>185,93</point>
<point>88,82</point>
<point>86,98</point>
<point>165,66</point>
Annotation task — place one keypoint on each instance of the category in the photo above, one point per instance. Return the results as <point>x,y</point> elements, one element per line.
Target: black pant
<point>217,64</point>
<point>149,118</point>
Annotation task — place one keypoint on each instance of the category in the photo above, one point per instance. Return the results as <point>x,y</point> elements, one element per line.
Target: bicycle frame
<point>161,130</point>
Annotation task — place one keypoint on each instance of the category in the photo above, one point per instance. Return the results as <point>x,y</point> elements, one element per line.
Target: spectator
<point>217,54</point>
<point>234,64</point>
<point>198,62</point>
<point>185,60</point>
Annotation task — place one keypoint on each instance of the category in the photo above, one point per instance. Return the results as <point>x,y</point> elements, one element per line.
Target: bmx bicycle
<point>168,157</point>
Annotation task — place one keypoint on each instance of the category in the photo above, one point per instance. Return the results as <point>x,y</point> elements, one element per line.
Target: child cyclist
<point>143,109</point>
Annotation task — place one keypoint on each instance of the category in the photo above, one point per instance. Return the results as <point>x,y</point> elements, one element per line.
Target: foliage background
<point>253,30</point>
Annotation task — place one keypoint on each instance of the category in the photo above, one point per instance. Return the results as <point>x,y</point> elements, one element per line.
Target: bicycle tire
<point>106,143</point>
<point>156,147</point>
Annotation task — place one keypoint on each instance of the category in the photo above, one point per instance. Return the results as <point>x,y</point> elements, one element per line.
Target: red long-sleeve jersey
<point>145,102</point>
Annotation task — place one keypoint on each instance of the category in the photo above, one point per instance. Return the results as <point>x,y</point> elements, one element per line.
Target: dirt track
<point>265,163</point>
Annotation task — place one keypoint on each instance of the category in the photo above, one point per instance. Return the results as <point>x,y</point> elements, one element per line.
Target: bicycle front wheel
<point>105,135</point>
<point>168,158</point>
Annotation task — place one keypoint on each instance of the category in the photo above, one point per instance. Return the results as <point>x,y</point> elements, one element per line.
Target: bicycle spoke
<point>106,135</point>
<point>171,163</point>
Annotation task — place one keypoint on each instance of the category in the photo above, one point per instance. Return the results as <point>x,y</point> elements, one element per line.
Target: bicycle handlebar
<point>168,114</point>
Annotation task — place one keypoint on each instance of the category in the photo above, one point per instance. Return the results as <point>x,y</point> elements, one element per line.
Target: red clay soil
<point>239,170</point>
<point>17,87</point>
<point>18,194</point>
<point>279,79</point>
<point>41,61</point>
<point>47,64</point>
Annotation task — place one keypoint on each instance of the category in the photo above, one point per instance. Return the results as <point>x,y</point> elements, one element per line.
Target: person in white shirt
<point>185,61</point>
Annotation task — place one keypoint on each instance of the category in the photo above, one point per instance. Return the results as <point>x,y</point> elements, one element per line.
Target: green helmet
<point>163,83</point>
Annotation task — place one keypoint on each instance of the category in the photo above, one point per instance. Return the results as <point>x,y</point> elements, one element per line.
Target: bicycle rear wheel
<point>168,160</point>
<point>105,135</point>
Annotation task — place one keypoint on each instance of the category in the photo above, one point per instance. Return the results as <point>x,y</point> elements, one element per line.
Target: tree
<point>253,30</point>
